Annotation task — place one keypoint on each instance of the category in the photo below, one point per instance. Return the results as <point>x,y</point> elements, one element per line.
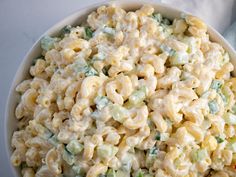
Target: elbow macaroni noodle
<point>128,94</point>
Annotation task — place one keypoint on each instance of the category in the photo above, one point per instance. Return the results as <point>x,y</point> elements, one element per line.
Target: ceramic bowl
<point>75,19</point>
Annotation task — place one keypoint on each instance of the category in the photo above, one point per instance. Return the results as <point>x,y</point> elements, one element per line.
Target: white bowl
<point>75,19</point>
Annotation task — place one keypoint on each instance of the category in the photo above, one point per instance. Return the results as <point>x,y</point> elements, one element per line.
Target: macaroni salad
<point>128,94</point>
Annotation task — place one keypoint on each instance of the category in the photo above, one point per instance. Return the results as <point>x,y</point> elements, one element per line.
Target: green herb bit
<point>219,139</point>
<point>158,136</point>
<point>88,32</point>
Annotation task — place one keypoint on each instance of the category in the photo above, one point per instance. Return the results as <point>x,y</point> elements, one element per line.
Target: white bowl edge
<point>74,19</point>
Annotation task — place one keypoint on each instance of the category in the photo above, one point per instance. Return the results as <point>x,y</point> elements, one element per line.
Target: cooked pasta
<point>128,94</point>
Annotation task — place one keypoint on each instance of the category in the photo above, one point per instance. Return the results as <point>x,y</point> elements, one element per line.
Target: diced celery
<point>90,71</point>
<point>167,49</point>
<point>68,157</point>
<point>192,44</point>
<point>47,43</point>
<point>88,33</point>
<point>96,114</point>
<point>43,131</point>
<point>101,102</point>
<point>153,151</point>
<point>138,96</point>
<point>118,113</point>
<point>213,106</point>
<point>111,173</point>
<point>166,21</point>
<point>179,58</point>
<point>162,136</point>
<point>230,118</point>
<point>157,17</point>
<point>98,57</point>
<point>121,173</point>
<point>66,30</point>
<point>106,150</point>
<point>108,30</point>
<point>80,62</point>
<point>74,147</point>
<point>53,140</point>
<point>78,170</point>
<point>199,155</point>
<point>81,66</point>
<point>216,84</point>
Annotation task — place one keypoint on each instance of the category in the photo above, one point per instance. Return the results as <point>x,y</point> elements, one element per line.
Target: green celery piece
<point>213,106</point>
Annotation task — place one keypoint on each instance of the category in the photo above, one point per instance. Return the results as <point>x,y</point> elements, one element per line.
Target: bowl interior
<point>76,19</point>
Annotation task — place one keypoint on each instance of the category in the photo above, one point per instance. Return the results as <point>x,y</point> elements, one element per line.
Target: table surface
<point>22,22</point>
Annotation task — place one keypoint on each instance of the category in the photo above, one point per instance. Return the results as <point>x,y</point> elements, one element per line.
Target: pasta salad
<point>128,94</point>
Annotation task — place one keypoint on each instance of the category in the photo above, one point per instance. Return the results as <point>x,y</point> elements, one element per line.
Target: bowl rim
<point>80,12</point>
